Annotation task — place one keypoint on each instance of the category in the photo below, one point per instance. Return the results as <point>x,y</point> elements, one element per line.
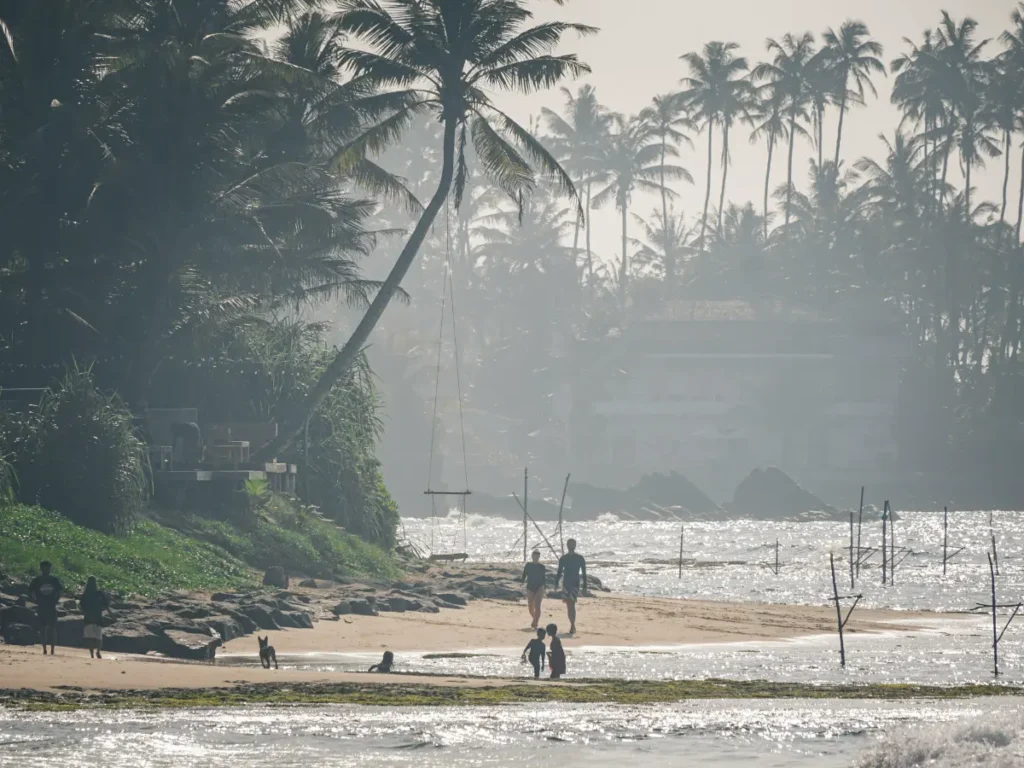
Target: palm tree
<point>1012,64</point>
<point>577,137</point>
<point>789,75</point>
<point>666,116</point>
<point>854,56</point>
<point>823,90</point>
<point>665,239</point>
<point>445,57</point>
<point>632,162</point>
<point>770,124</point>
<point>714,92</point>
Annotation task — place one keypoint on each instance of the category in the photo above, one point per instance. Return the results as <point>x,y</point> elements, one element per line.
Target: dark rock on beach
<point>275,577</point>
<point>193,646</point>
<point>19,634</point>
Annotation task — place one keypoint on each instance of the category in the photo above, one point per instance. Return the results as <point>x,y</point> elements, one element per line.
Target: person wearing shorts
<point>572,572</point>
<point>46,590</point>
<point>534,575</point>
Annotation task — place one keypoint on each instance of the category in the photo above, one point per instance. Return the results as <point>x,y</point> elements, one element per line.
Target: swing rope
<point>448,290</point>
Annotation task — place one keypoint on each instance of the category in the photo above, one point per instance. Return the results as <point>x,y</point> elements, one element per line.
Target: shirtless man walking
<point>570,566</point>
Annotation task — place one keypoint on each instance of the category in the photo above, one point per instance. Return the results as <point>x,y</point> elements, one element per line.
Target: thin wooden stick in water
<point>995,636</point>
<point>526,517</point>
<point>860,519</point>
<point>681,531</point>
<point>776,557</point>
<point>945,537</point>
<point>839,610</point>
<point>851,550</point>
<point>561,538</point>
<point>892,548</point>
<point>885,512</point>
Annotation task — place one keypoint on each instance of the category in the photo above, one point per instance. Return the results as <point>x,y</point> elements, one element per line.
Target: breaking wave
<point>990,741</point>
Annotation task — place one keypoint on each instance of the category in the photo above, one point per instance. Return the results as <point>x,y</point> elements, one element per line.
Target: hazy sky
<point>636,55</point>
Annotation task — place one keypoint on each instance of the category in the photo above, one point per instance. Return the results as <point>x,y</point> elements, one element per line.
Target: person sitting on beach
<point>385,664</point>
<point>556,657</point>
<point>536,651</point>
<point>534,575</point>
<point>93,601</point>
<point>46,590</point>
<point>571,564</point>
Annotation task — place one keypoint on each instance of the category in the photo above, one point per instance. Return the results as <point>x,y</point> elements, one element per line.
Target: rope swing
<point>447,301</point>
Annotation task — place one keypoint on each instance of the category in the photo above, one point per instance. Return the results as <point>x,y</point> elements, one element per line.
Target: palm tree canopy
<point>448,57</point>
<point>716,89</point>
<point>854,57</point>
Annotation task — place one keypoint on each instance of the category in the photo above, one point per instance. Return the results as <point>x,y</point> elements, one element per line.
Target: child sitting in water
<point>385,664</point>
<point>537,651</point>
<point>557,655</point>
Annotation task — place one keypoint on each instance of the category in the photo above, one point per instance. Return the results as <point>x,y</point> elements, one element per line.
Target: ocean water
<point>722,734</point>
<point>722,561</point>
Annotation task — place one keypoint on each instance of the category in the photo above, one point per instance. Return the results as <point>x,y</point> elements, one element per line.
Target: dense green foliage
<point>150,559</point>
<point>78,453</point>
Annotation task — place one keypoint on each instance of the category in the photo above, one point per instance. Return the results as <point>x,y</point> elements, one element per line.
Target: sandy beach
<point>608,620</point>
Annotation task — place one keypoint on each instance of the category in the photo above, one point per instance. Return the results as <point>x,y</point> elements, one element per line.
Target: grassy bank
<point>397,694</point>
<point>198,554</point>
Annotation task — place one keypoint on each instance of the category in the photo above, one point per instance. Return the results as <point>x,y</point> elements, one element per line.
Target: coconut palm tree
<point>633,162</point>
<point>854,57</point>
<point>576,138</point>
<point>667,117</point>
<point>714,92</point>
<point>446,57</point>
<point>769,121</point>
<point>660,250</point>
<point>789,74</point>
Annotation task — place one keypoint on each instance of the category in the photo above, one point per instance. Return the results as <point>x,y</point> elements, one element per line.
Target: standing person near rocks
<point>571,565</point>
<point>93,602</point>
<point>46,590</point>
<point>534,576</point>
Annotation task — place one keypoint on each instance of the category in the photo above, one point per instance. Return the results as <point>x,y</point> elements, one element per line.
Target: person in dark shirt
<point>93,601</point>
<point>557,654</point>
<point>536,651</point>
<point>570,566</point>
<point>46,590</point>
<point>534,575</point>
<point>385,664</point>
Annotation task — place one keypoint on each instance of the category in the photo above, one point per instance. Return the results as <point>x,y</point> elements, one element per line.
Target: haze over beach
<point>502,382</point>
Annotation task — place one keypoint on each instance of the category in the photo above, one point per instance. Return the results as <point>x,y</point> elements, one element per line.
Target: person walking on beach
<point>556,655</point>
<point>570,566</point>
<point>46,590</point>
<point>537,651</point>
<point>93,602</point>
<point>534,575</point>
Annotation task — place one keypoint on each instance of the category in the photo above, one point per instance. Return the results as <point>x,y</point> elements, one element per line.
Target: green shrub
<point>79,454</point>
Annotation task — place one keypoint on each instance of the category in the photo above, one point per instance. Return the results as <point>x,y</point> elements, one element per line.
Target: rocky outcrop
<point>259,615</point>
<point>17,614</point>
<point>194,646</point>
<point>774,495</point>
<point>130,637</point>
<point>19,634</point>
<point>275,577</point>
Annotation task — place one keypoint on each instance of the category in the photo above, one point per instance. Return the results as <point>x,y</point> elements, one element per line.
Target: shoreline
<point>71,678</point>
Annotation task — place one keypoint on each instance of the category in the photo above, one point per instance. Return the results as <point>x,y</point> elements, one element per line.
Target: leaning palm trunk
<point>725,174</point>
<point>839,131</point>
<point>669,262</point>
<point>590,257</point>
<point>789,170</point>
<point>768,179</point>
<point>625,265</point>
<point>707,192</point>
<point>343,361</point>
<point>1006,176</point>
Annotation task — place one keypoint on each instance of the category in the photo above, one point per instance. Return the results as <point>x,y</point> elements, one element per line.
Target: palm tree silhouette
<point>853,57</point>
<point>714,92</point>
<point>444,58</point>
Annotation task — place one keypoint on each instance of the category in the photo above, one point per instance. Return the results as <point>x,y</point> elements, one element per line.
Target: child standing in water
<point>536,651</point>
<point>385,664</point>
<point>557,654</point>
